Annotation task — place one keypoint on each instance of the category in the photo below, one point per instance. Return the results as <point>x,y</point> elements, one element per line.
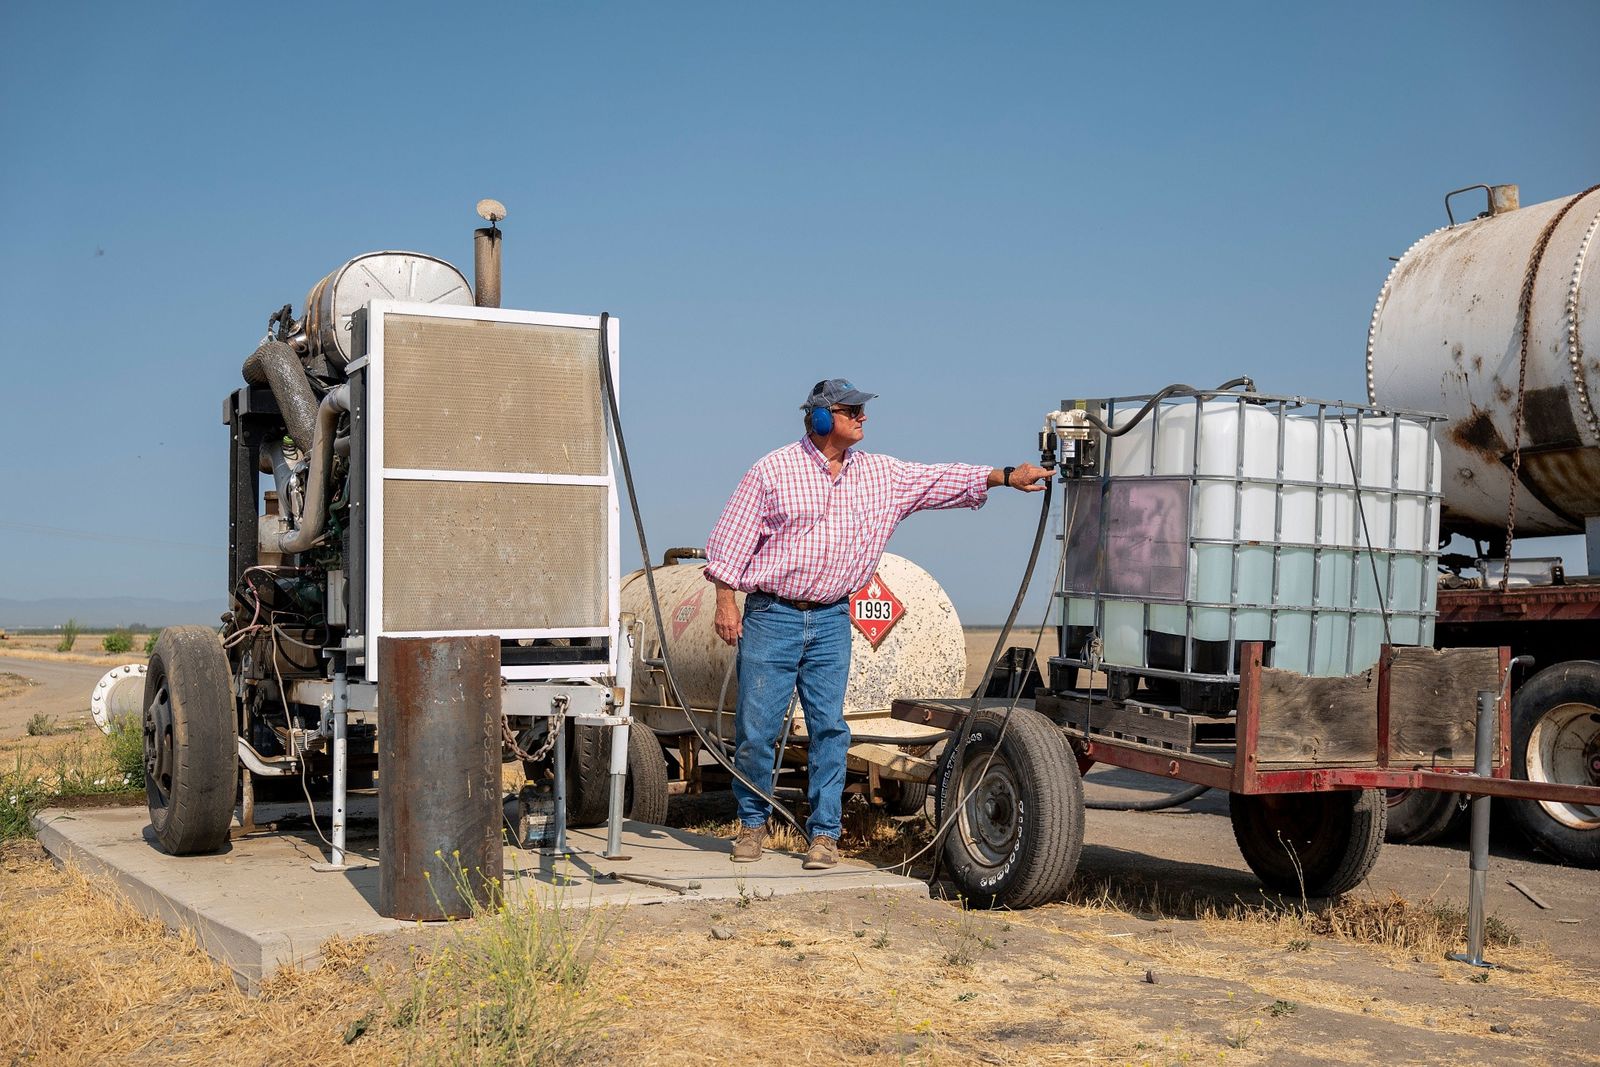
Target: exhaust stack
<point>486,254</point>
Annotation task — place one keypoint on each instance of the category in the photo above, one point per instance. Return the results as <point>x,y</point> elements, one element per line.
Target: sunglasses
<point>854,411</point>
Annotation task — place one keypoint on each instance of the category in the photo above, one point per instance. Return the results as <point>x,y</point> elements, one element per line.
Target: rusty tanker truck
<point>1491,321</point>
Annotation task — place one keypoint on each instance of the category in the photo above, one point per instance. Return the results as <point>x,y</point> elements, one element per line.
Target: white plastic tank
<point>1255,502</point>
<point>924,654</point>
<point>1446,337</point>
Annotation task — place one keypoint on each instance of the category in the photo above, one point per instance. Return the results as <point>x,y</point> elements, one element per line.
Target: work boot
<point>747,846</point>
<point>823,853</point>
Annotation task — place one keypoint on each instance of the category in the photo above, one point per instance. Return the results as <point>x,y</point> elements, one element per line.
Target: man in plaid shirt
<point>805,529</point>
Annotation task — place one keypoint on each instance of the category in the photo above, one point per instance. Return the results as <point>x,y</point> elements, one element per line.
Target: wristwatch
<point>1008,476</point>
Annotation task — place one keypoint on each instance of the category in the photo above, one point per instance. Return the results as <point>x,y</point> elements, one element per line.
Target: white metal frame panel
<point>378,474</point>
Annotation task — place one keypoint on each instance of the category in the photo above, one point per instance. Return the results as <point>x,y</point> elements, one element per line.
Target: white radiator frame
<point>378,474</point>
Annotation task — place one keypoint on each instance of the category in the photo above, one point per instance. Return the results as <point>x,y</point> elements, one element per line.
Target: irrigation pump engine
<point>404,461</point>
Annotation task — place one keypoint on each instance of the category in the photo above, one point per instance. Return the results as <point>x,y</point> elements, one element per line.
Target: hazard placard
<point>874,609</point>
<point>686,610</point>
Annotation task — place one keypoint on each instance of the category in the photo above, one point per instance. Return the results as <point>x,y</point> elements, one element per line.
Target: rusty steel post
<point>1478,850</point>
<point>439,805</point>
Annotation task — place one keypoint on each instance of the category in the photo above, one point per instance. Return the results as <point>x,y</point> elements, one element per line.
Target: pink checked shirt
<point>793,530</point>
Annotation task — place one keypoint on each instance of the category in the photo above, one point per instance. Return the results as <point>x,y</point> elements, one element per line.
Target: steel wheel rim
<point>1565,747</point>
<point>158,746</point>
<point>991,817</point>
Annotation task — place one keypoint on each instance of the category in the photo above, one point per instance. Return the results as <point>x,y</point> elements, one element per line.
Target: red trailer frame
<point>1241,774</point>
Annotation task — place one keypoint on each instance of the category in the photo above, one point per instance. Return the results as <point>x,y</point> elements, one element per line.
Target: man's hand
<point>729,626</point>
<point>1028,477</point>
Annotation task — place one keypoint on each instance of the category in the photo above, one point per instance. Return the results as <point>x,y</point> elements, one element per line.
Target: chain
<point>1524,315</point>
<point>510,740</point>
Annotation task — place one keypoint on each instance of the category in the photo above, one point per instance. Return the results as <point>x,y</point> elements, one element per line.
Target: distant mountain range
<point>98,613</point>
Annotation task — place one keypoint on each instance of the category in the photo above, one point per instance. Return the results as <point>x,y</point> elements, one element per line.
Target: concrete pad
<point>259,905</point>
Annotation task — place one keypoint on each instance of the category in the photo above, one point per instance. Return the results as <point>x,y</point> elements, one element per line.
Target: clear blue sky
<point>975,210</point>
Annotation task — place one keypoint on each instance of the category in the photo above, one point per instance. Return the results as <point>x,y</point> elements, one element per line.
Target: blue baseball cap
<point>831,391</point>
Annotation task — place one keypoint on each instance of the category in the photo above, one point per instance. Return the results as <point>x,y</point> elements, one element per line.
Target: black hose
<point>1170,391</point>
<point>964,731</point>
<point>1183,796</point>
<point>650,581</point>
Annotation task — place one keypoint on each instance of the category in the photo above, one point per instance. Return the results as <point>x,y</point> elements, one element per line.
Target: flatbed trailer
<point>1302,758</point>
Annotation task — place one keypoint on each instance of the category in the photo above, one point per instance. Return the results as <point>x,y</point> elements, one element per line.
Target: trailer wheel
<point>191,758</point>
<point>589,776</point>
<point>1555,737</point>
<point>908,798</point>
<point>1018,830</point>
<point>1418,816</point>
<point>1311,844</point>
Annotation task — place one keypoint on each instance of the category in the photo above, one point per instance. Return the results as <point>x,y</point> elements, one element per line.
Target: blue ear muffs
<point>821,421</point>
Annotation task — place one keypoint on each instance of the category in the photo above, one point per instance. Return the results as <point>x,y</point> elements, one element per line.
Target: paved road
<point>1193,846</point>
<point>62,693</point>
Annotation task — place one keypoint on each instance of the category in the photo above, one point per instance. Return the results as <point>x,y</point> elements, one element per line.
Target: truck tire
<point>1418,816</point>
<point>1016,839</point>
<point>1310,844</point>
<point>190,753</point>
<point>1555,737</point>
<point>589,776</point>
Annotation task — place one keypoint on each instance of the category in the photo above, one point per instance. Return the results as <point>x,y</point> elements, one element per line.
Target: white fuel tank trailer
<point>906,640</point>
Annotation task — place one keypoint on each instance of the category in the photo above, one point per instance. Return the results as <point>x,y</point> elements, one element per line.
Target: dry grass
<point>88,648</point>
<point>839,977</point>
<point>108,984</point>
<point>868,834</point>
<point>14,683</point>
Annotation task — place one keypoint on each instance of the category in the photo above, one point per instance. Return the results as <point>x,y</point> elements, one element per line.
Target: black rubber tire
<point>191,755</point>
<point>907,798</point>
<point>646,797</point>
<point>589,776</point>
<point>1564,689</point>
<point>1418,816</point>
<point>1310,844</point>
<point>1016,843</point>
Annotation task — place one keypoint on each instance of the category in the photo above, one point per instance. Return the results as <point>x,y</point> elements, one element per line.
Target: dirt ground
<point>37,682</point>
<point>1165,952</point>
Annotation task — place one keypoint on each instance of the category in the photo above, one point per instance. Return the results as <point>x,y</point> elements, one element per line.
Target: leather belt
<point>804,605</point>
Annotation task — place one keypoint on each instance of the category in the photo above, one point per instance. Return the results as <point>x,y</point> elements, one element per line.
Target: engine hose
<point>650,581</point>
<point>1183,796</point>
<point>275,365</point>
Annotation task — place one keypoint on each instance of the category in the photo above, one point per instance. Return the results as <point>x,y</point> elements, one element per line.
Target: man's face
<point>849,422</point>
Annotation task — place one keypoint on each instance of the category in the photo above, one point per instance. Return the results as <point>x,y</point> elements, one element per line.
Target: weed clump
<point>117,641</point>
<point>88,765</point>
<point>69,636</point>
<point>509,987</point>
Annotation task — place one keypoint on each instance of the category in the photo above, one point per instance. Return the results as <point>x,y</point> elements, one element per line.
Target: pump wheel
<point>1555,737</point>
<point>1018,828</point>
<point>190,756</point>
<point>1310,844</point>
<point>1418,816</point>
<point>589,776</point>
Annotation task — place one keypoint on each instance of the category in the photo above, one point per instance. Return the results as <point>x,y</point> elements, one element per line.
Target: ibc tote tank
<point>1446,337</point>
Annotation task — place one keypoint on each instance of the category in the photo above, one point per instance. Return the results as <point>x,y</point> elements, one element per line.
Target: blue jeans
<point>784,649</point>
